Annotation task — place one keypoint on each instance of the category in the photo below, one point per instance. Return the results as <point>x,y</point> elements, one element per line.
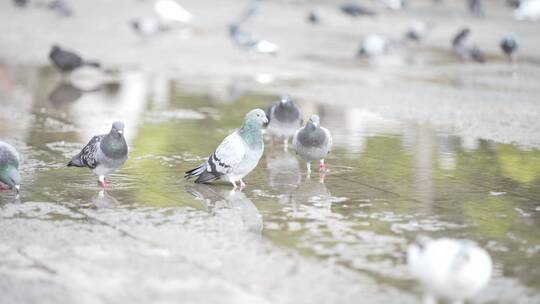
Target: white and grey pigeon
<point>313,142</point>
<point>455,270</point>
<point>373,45</point>
<point>10,177</point>
<point>172,11</point>
<point>104,154</point>
<point>237,155</point>
<point>528,10</point>
<point>284,118</point>
<point>249,42</point>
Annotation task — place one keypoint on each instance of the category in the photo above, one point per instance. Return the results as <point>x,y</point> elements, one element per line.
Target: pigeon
<point>103,154</point>
<point>67,61</point>
<point>464,51</point>
<point>528,10</point>
<point>284,119</point>
<point>147,27</point>
<point>513,3</point>
<point>313,142</point>
<point>10,178</point>
<point>20,3</point>
<point>510,45</point>
<point>394,4</point>
<point>250,42</point>
<point>475,7</point>
<point>417,31</point>
<point>314,16</point>
<point>373,45</point>
<point>172,11</point>
<point>237,155</point>
<point>60,7</point>
<point>454,270</point>
<point>355,10</point>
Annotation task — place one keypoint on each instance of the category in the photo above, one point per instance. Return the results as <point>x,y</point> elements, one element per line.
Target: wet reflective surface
<point>344,231</point>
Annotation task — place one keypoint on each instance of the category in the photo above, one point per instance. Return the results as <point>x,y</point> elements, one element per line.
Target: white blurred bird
<point>172,11</point>
<point>455,270</point>
<point>528,10</point>
<point>373,45</point>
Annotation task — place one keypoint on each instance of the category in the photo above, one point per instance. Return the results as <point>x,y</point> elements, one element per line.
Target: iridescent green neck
<point>251,133</point>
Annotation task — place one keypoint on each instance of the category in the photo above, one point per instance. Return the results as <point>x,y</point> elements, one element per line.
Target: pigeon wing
<point>227,155</point>
<point>88,155</point>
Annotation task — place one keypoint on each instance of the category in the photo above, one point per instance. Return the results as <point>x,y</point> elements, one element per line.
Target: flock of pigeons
<point>455,270</point>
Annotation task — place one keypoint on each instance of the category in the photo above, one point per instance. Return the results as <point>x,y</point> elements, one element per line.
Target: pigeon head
<point>11,177</point>
<point>117,129</point>
<point>286,102</point>
<point>256,116</point>
<point>55,48</point>
<point>314,121</point>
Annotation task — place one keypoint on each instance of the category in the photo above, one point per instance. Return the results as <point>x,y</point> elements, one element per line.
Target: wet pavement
<point>424,143</point>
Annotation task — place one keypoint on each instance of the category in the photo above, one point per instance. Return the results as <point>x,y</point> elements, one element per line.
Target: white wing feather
<point>229,153</point>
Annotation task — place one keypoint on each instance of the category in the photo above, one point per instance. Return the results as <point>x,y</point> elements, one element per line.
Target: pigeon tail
<point>202,175</point>
<point>75,162</point>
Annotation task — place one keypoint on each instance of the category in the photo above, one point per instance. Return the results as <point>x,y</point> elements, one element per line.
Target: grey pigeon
<point>104,154</point>
<point>314,16</point>
<point>510,46</point>
<point>355,10</point>
<point>465,51</point>
<point>237,155</point>
<point>249,42</point>
<point>67,61</point>
<point>284,119</point>
<point>9,167</point>
<point>475,7</point>
<point>148,27</point>
<point>313,142</point>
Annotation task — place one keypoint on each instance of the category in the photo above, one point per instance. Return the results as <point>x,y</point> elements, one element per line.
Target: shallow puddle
<point>388,181</point>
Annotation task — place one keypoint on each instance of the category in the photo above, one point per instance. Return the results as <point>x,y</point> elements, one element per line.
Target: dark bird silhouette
<point>475,7</point>
<point>510,45</point>
<point>314,16</point>
<point>464,51</point>
<point>66,61</point>
<point>355,10</point>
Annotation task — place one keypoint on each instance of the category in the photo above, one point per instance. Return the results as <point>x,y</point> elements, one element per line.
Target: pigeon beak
<point>18,188</point>
<point>120,132</point>
<point>265,120</point>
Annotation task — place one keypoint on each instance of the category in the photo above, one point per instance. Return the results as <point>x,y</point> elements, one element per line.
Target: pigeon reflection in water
<point>284,173</point>
<point>230,206</point>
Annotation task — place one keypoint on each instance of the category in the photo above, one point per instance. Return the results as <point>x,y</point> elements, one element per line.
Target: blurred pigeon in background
<point>373,45</point>
<point>356,10</point>
<point>475,7</point>
<point>451,269</point>
<point>284,119</point>
<point>60,7</point>
<point>417,31</point>
<point>510,45</point>
<point>10,177</point>
<point>103,154</point>
<point>314,16</point>
<point>147,27</point>
<point>66,61</point>
<point>394,4</point>
<point>20,3</point>
<point>464,51</point>
<point>250,42</point>
<point>528,10</point>
<point>237,155</point>
<point>313,142</point>
<point>172,11</point>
